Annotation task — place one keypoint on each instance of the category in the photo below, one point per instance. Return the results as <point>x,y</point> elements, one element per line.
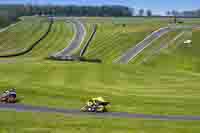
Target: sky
<point>157,6</point>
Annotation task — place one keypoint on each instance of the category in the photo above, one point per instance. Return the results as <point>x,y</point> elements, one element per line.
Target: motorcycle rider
<point>12,92</point>
<point>95,105</point>
<point>96,101</point>
<point>5,94</point>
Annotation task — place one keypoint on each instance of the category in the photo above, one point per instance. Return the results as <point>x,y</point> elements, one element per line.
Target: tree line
<point>10,13</point>
<point>195,13</point>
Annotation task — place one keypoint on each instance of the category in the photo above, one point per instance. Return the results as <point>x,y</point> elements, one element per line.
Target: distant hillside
<point>10,14</point>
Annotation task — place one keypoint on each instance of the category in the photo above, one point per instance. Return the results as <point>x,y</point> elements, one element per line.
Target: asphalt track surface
<point>80,33</point>
<point>29,108</point>
<point>163,46</point>
<point>133,52</point>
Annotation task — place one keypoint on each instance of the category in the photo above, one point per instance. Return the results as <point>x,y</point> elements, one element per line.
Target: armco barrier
<point>33,45</point>
<point>83,50</point>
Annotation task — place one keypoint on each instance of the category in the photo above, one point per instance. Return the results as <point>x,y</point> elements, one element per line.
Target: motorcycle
<point>98,107</point>
<point>8,97</point>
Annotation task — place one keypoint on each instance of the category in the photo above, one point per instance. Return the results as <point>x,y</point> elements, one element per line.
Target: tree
<point>168,13</point>
<point>141,12</point>
<point>133,11</point>
<point>14,11</point>
<point>175,13</point>
<point>197,14</point>
<point>149,13</point>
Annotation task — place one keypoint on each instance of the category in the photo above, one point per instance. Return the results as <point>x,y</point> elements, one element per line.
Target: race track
<point>133,52</point>
<point>29,108</point>
<point>79,36</point>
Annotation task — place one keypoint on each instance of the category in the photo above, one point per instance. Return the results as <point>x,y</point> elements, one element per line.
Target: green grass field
<point>115,36</point>
<point>21,36</point>
<point>178,55</point>
<point>155,47</point>
<point>18,39</point>
<point>56,123</point>
<point>167,84</point>
<point>58,39</point>
<point>70,85</point>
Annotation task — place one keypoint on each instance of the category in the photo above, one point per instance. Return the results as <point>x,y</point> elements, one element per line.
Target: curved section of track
<point>29,108</point>
<point>133,52</point>
<point>80,33</point>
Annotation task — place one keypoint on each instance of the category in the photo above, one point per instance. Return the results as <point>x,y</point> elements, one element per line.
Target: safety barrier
<point>83,50</point>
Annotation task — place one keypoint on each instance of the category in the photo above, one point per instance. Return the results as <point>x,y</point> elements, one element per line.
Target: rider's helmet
<point>12,90</point>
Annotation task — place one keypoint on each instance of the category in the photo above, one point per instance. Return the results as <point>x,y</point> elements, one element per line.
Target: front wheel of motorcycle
<point>84,109</point>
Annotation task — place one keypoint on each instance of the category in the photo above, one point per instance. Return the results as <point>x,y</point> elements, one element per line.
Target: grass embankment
<point>112,40</point>
<point>59,38</point>
<point>22,36</point>
<point>27,32</point>
<point>179,55</point>
<point>56,123</point>
<point>115,36</point>
<point>155,47</point>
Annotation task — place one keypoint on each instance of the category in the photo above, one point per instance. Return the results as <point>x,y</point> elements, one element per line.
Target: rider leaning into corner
<point>95,101</point>
<point>95,105</point>
<point>10,92</point>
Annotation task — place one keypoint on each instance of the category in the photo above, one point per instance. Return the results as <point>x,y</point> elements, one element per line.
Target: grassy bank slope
<point>179,55</point>
<point>116,35</point>
<point>59,38</point>
<point>22,35</point>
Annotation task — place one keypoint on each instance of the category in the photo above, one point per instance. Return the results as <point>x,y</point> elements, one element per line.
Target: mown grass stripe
<point>51,39</point>
<point>32,46</point>
<point>12,35</point>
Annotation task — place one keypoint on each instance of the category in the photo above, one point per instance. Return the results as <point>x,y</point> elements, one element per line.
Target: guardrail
<point>84,49</point>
